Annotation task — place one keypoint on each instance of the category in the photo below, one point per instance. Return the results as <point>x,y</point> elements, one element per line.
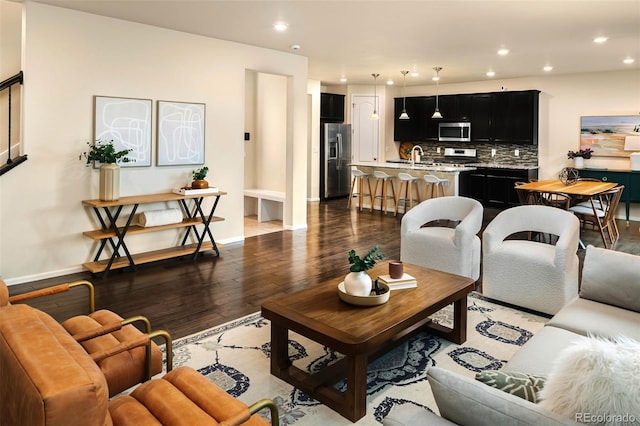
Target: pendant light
<point>436,113</point>
<point>375,116</point>
<point>404,115</point>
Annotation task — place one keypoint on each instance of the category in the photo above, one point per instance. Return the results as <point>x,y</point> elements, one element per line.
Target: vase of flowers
<point>106,155</point>
<point>358,282</point>
<point>578,157</point>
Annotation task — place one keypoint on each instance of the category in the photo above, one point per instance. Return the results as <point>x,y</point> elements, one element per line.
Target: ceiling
<point>354,39</point>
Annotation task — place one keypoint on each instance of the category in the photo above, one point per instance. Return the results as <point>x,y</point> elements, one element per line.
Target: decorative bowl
<point>372,300</point>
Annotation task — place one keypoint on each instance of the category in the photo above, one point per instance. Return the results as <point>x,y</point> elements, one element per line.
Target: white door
<point>366,132</point>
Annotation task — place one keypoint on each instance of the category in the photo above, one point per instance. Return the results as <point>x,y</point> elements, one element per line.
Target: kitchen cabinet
<point>454,107</point>
<point>481,117</point>
<point>415,128</point>
<point>498,117</point>
<point>494,187</point>
<point>332,107</point>
<point>514,117</point>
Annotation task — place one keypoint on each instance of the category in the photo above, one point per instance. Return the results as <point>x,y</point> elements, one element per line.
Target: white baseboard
<point>45,275</point>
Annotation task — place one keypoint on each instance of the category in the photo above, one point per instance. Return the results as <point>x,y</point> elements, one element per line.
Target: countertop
<point>430,165</point>
<point>406,165</point>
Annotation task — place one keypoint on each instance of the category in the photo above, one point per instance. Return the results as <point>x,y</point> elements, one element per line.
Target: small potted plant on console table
<point>358,282</point>
<point>198,178</point>
<point>105,154</point>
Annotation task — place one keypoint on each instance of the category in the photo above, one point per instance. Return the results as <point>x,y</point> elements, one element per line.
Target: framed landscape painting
<point>180,133</point>
<point>606,135</point>
<point>126,122</point>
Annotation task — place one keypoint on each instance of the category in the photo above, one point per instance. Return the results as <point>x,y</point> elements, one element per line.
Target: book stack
<point>405,281</point>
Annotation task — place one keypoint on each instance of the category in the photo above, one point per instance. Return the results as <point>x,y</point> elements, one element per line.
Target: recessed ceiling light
<point>547,68</point>
<point>280,26</point>
<point>389,82</point>
<point>435,78</point>
<point>600,39</point>
<point>503,52</point>
<point>415,74</point>
<point>628,60</point>
<point>343,79</point>
<point>490,73</point>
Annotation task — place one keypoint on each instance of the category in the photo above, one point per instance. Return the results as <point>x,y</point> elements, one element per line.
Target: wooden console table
<point>108,213</point>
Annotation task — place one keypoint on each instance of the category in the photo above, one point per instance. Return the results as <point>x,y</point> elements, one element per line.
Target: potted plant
<point>105,153</point>
<point>358,282</point>
<point>198,178</point>
<point>578,157</point>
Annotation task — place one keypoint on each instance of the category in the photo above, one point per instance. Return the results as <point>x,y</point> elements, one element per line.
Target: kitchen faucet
<point>413,157</point>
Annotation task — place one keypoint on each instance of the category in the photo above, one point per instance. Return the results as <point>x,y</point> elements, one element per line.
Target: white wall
<point>313,136</point>
<point>68,58</point>
<point>271,123</point>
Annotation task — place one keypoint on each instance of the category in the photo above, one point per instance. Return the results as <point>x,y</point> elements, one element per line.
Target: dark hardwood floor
<point>184,297</point>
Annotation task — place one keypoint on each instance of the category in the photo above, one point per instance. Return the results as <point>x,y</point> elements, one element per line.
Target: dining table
<point>580,188</point>
<point>583,188</point>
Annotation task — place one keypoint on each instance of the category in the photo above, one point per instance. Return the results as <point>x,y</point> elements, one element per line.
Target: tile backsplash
<point>505,153</point>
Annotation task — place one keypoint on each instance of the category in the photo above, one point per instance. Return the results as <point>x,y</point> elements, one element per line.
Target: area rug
<point>235,356</point>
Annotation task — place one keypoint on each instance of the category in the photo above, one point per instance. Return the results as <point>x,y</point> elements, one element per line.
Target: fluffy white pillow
<point>596,381</point>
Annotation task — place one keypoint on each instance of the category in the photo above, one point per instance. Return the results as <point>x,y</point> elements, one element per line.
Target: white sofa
<point>608,306</point>
<point>455,250</point>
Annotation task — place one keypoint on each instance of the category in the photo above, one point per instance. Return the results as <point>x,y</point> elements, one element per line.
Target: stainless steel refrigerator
<point>336,157</point>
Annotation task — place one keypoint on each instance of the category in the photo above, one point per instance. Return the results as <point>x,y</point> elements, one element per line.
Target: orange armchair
<point>125,355</point>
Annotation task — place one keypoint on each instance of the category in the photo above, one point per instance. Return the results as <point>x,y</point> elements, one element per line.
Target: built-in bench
<point>267,204</point>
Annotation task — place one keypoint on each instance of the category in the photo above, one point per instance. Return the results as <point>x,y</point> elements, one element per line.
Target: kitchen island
<point>449,172</point>
<point>419,169</point>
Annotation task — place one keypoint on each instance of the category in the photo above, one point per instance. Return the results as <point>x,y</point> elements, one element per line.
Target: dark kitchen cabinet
<point>415,128</point>
<point>498,117</point>
<point>455,107</point>
<point>494,187</point>
<point>481,118</point>
<point>514,117</point>
<point>332,107</point>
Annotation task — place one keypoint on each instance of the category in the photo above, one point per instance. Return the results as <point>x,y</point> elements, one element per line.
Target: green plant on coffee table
<point>105,153</point>
<point>359,264</point>
<point>200,174</point>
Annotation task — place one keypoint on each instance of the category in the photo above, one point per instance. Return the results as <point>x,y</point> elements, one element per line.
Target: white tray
<point>372,300</point>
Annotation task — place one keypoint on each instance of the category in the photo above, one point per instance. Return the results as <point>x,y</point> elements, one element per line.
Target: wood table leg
<point>279,350</point>
<point>356,395</point>
<point>457,334</point>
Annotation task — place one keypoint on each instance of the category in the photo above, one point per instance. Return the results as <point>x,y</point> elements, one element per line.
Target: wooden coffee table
<point>360,333</point>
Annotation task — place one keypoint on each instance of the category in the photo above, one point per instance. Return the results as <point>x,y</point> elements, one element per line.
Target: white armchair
<point>534,275</point>
<point>455,250</point>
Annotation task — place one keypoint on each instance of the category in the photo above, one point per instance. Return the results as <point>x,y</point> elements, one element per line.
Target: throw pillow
<point>596,377</point>
<point>611,277</point>
<point>524,385</point>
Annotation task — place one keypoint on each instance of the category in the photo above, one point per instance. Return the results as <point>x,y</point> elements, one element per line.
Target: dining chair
<point>562,201</point>
<point>600,213</point>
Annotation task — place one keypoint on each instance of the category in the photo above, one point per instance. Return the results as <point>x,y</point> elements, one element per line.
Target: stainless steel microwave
<point>454,132</point>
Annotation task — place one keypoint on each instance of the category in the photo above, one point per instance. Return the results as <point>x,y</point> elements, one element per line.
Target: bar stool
<point>358,177</point>
<point>407,181</point>
<point>387,180</point>
<point>435,186</point>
